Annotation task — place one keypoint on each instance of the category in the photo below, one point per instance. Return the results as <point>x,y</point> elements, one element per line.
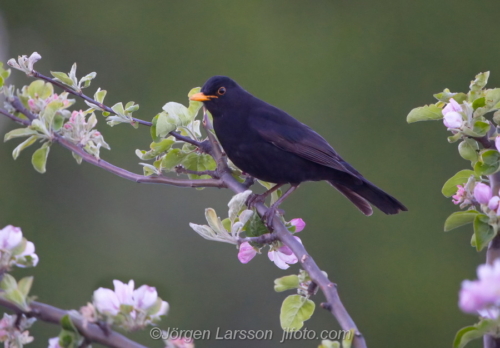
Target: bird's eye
<point>221,91</point>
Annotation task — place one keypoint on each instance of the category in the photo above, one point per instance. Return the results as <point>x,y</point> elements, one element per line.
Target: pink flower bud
<point>493,203</point>
<point>452,106</point>
<point>482,193</point>
<point>246,252</point>
<point>106,301</point>
<point>298,223</point>
<point>453,120</point>
<point>10,237</point>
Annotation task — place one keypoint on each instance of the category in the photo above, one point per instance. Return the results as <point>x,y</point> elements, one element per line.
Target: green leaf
<point>286,283</point>
<point>156,149</point>
<point>49,112</point>
<point>294,311</point>
<point>477,85</point>
<point>28,142</point>
<point>172,158</point>
<point>19,132</point>
<point>489,161</point>
<point>483,231</point>
<point>450,186</point>
<point>154,136</point>
<point>24,285</point>
<point>425,113</point>
<point>63,77</point>
<point>255,227</point>
<point>446,95</point>
<point>67,324</point>
<point>164,125</point>
<point>8,283</point>
<point>481,128</point>
<point>459,218</point>
<point>41,89</point>
<point>454,138</point>
<point>57,123</point>
<point>237,204</point>
<point>194,106</point>
<point>15,296</point>
<point>468,149</point>
<point>118,109</point>
<point>39,158</point>
<point>479,102</point>
<point>469,333</point>
<point>77,157</point>
<point>99,95</point>
<point>198,162</point>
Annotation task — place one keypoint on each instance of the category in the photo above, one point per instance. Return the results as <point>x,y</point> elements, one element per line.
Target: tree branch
<point>90,331</point>
<point>329,289</point>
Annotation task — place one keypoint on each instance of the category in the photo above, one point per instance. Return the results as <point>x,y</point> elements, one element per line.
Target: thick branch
<point>90,331</point>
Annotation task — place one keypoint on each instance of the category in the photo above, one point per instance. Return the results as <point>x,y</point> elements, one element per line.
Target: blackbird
<point>272,146</point>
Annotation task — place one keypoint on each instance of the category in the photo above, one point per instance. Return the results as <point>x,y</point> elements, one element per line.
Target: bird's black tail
<point>362,193</point>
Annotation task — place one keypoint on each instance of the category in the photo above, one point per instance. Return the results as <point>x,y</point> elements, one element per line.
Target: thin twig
<point>181,170</point>
<point>90,331</point>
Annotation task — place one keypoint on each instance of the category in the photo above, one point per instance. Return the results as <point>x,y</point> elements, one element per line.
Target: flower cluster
<point>80,130</point>
<point>281,255</point>
<point>482,296</point>
<point>13,332</point>
<point>129,308</point>
<point>15,250</point>
<point>452,115</point>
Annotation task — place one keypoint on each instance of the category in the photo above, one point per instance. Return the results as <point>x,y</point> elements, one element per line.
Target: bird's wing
<point>285,132</point>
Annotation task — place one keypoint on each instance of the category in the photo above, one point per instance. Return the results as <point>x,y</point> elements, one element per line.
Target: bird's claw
<point>254,199</point>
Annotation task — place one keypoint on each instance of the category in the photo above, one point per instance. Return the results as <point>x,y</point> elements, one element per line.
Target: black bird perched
<point>271,145</point>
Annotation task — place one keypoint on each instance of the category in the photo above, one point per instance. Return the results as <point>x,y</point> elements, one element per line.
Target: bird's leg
<point>249,181</point>
<point>268,217</point>
<point>255,198</point>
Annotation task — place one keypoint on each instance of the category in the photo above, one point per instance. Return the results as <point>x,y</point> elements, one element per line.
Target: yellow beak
<point>201,97</point>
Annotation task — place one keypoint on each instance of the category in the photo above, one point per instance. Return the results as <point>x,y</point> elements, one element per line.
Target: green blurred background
<point>350,69</point>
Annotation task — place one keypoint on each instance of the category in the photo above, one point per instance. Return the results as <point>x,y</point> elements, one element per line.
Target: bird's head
<point>218,93</point>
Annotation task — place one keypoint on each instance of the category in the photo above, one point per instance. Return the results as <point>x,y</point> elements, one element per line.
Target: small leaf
<point>63,77</point>
<point>450,186</point>
<point>446,95</point>
<point>164,125</point>
<point>255,227</point>
<point>8,283</point>
<point>24,285</point>
<point>468,149</point>
<point>28,142</point>
<point>286,283</point>
<point>459,218</point>
<point>469,333</point>
<point>39,158</point>
<point>425,113</point>
<point>118,109</point>
<point>488,163</point>
<point>479,102</point>
<point>77,157</point>
<point>67,324</point>
<point>483,231</point>
<point>172,158</point>
<point>19,132</point>
<point>294,311</point>
<point>99,95</point>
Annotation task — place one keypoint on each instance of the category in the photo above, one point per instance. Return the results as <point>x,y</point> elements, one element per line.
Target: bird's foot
<point>254,199</point>
<point>249,181</point>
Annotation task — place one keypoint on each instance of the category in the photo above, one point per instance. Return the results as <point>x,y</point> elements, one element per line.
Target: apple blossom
<point>482,193</point>
<point>16,250</point>
<point>283,256</point>
<point>132,309</point>
<point>483,295</point>
<point>246,252</point>
<point>493,203</point>
<point>459,196</point>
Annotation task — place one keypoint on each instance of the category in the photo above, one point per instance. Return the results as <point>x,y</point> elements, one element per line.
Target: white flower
<point>106,301</point>
<point>143,306</point>
<point>11,251</point>
<point>283,257</point>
